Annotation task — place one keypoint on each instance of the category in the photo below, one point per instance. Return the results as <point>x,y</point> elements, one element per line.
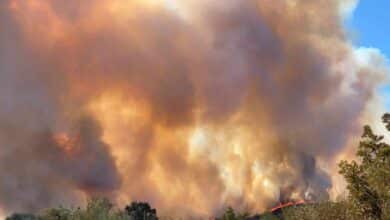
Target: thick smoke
<point>191,105</point>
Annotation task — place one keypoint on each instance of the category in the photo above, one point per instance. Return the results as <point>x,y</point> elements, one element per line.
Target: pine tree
<point>369,181</point>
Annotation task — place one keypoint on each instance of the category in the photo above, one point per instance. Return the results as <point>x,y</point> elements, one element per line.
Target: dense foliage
<point>141,211</point>
<point>369,180</point>
<point>97,209</point>
<point>230,214</point>
<point>21,217</point>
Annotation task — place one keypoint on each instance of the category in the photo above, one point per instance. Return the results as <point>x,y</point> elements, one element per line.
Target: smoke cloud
<point>190,105</point>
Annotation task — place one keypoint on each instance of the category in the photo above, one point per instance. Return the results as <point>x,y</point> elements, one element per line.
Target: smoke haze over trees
<point>252,102</point>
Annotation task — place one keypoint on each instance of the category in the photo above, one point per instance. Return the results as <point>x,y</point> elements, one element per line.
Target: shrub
<point>141,211</point>
<point>319,211</point>
<point>21,217</point>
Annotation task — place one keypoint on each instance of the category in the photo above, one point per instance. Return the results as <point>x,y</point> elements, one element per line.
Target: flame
<point>288,204</point>
<point>65,142</point>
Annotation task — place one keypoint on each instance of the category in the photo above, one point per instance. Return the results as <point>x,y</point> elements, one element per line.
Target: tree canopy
<point>369,179</point>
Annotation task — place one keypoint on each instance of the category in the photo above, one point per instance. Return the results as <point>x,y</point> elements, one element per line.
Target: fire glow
<point>190,105</point>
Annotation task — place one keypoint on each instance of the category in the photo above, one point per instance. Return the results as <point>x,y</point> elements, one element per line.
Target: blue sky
<point>370,25</point>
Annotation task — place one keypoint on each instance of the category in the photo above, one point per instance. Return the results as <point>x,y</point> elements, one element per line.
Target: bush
<point>97,209</point>
<point>141,211</point>
<point>21,217</point>
<point>319,211</point>
<point>268,216</point>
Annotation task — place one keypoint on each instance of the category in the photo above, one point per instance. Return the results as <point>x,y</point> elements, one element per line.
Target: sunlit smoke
<point>190,105</point>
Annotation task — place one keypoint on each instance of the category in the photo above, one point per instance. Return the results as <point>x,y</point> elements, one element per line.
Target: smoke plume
<point>190,105</point>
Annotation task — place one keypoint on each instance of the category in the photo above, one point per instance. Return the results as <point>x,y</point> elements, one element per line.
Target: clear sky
<point>371,21</point>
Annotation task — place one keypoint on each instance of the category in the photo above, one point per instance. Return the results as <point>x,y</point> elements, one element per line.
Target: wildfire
<point>286,205</point>
<point>65,142</point>
<point>189,105</point>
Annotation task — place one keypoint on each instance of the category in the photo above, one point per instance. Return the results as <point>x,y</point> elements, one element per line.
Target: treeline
<point>97,209</point>
<point>368,185</point>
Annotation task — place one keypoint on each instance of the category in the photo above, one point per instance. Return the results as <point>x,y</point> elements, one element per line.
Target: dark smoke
<point>37,172</point>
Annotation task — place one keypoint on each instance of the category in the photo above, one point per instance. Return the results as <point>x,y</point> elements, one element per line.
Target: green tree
<point>21,217</point>
<point>141,211</point>
<point>56,214</point>
<point>369,179</point>
<point>319,211</point>
<point>230,214</point>
<point>96,209</point>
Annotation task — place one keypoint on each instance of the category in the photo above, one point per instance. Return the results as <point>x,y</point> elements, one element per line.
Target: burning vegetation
<point>190,105</point>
